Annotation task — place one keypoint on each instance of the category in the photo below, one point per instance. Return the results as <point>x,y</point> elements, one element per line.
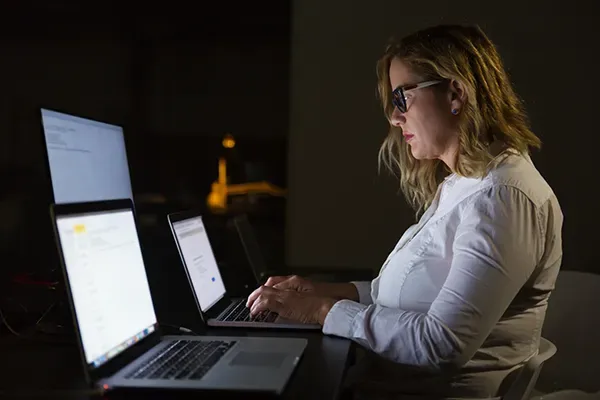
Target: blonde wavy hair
<point>492,110</point>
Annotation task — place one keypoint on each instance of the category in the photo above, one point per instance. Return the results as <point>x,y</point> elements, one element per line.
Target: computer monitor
<point>87,159</point>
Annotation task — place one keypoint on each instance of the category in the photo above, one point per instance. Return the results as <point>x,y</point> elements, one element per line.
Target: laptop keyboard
<point>183,359</point>
<point>240,313</point>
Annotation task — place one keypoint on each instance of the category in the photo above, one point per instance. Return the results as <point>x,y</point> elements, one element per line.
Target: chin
<point>418,155</point>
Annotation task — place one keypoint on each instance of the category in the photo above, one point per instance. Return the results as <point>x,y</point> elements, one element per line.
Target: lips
<point>408,136</point>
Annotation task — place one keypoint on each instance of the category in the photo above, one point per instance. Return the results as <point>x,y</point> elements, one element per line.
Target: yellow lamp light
<point>228,141</point>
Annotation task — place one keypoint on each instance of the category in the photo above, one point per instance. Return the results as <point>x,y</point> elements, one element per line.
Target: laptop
<point>251,248</point>
<point>214,305</point>
<point>117,329</point>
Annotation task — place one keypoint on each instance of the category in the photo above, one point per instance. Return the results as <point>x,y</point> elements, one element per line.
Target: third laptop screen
<point>199,261</point>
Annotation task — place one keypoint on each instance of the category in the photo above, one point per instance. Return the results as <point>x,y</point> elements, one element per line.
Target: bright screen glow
<point>87,159</point>
<point>199,261</point>
<point>108,282</point>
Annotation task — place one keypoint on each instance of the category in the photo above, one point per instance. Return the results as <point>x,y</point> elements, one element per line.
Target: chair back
<point>524,383</point>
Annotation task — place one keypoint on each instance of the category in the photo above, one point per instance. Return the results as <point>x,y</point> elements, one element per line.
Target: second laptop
<point>215,306</point>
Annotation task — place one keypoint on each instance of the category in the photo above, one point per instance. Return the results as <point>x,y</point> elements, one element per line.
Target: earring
<point>455,111</point>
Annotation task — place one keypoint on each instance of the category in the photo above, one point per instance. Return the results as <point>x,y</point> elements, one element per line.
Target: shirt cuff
<point>339,320</point>
<point>364,292</point>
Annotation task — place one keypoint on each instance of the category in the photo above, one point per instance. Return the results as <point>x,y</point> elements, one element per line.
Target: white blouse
<point>467,286</point>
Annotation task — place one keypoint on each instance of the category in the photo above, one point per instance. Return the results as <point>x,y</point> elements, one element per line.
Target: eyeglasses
<point>399,98</point>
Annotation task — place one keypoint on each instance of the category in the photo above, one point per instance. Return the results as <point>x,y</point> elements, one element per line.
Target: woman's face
<point>429,125</point>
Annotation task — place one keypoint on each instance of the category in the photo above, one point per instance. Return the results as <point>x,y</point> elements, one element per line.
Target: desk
<point>31,369</point>
<point>49,370</point>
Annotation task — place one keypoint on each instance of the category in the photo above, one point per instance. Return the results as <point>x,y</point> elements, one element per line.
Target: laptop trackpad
<point>252,359</point>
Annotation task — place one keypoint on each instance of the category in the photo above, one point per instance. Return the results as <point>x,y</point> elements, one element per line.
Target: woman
<point>460,302</point>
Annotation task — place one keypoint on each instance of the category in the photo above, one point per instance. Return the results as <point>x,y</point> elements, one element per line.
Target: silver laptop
<point>215,306</point>
<point>119,337</point>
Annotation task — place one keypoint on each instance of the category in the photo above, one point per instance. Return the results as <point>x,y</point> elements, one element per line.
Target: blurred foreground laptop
<point>119,337</point>
<point>214,305</point>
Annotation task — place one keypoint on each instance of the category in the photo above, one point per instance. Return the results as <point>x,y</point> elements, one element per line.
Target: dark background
<point>177,77</point>
<point>294,82</point>
<point>340,210</point>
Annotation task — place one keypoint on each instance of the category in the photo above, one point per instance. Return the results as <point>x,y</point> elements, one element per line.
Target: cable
<point>5,322</point>
<point>25,279</point>
<point>44,314</point>
<point>36,336</point>
<point>14,331</point>
<point>181,329</point>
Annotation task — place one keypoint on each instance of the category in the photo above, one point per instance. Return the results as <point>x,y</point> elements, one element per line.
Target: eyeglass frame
<point>399,98</point>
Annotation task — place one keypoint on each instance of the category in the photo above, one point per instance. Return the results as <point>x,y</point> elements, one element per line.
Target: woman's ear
<point>458,95</point>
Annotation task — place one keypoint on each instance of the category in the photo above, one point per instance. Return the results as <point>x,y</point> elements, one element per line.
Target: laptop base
<point>252,364</point>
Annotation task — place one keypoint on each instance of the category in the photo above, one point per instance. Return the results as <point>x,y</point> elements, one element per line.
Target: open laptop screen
<point>108,282</point>
<point>199,261</point>
<point>87,159</point>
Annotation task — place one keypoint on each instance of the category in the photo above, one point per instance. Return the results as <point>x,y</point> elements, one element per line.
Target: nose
<point>398,118</point>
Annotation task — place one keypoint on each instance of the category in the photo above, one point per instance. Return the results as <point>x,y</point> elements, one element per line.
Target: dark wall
<point>197,86</point>
<point>340,211</point>
<point>86,73</point>
<point>206,74</point>
<point>84,76</point>
<point>176,81</point>
<point>202,87</point>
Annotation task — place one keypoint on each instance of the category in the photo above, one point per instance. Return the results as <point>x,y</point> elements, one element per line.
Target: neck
<point>450,156</point>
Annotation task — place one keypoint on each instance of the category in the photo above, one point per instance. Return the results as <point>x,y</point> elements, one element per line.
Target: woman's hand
<point>292,282</point>
<point>290,304</point>
<point>338,291</point>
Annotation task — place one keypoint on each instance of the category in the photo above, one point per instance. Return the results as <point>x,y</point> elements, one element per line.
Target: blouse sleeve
<point>497,245</point>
